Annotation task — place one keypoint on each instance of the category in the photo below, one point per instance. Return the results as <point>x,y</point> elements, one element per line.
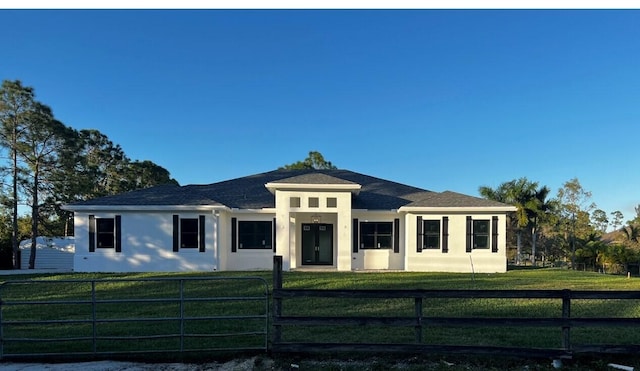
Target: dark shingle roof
<point>313,178</point>
<point>250,192</point>
<point>453,199</point>
<point>162,195</point>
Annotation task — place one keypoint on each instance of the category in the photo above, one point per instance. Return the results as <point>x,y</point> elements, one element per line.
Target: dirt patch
<point>263,363</point>
<point>249,364</point>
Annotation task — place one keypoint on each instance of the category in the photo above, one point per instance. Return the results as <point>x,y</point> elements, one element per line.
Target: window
<point>332,202</point>
<point>480,234</point>
<point>294,202</point>
<point>255,234</point>
<point>376,235</point>
<point>105,233</point>
<point>431,234</point>
<point>189,233</point>
<point>314,202</point>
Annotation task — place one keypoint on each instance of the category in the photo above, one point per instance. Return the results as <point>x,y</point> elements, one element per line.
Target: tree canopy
<point>315,160</point>
<point>567,228</point>
<point>45,164</point>
<point>531,205</point>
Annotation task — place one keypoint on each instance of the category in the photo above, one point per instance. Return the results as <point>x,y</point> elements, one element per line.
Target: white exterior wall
<point>147,239</point>
<point>383,258</point>
<point>147,244</point>
<point>243,259</point>
<point>456,259</point>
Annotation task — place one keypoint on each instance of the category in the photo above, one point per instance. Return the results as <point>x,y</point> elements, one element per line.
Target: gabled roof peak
<point>313,178</point>
<point>313,181</point>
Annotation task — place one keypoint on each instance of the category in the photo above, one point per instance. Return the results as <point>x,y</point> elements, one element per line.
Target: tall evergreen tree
<point>17,104</point>
<point>574,211</point>
<point>600,220</point>
<point>39,149</point>
<point>617,217</point>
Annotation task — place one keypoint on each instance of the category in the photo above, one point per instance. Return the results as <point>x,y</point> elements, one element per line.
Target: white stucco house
<point>329,219</point>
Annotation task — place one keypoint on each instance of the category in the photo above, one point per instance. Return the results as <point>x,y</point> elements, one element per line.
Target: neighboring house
<point>330,219</point>
<point>51,253</point>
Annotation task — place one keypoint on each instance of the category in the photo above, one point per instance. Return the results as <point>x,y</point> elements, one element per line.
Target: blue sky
<point>439,99</point>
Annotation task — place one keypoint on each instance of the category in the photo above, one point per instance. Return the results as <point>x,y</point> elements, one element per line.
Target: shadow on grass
<point>527,267</point>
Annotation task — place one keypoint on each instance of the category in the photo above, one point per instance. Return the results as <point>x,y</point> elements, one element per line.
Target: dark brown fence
<point>622,321</point>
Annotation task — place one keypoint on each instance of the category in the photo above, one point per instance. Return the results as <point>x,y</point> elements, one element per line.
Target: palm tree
<point>531,207</point>
<point>522,193</point>
<point>518,193</point>
<point>537,207</point>
<point>631,235</point>
<point>628,248</point>
<point>591,250</point>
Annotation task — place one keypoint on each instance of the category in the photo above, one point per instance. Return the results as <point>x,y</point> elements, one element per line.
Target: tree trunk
<point>573,252</point>
<point>519,247</point>
<point>533,245</point>
<point>34,220</point>
<point>14,217</point>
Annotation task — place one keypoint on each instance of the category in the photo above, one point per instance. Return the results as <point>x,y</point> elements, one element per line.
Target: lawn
<point>527,279</point>
<point>152,323</point>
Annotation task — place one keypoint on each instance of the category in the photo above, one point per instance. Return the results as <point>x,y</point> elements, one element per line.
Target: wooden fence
<point>564,322</point>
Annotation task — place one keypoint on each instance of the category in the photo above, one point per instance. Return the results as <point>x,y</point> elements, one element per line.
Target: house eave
<point>210,208</point>
<point>353,188</point>
<point>377,211</point>
<point>266,210</point>
<point>459,209</point>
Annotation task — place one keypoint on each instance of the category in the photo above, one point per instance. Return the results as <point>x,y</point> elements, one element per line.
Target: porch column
<point>343,235</point>
<point>283,231</point>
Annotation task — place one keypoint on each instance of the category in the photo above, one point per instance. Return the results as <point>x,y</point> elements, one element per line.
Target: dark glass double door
<point>317,244</point>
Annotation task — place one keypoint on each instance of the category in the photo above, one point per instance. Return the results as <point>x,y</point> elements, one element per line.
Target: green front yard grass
<point>155,322</point>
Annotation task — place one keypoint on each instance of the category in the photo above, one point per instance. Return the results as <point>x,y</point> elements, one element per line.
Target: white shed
<point>51,253</point>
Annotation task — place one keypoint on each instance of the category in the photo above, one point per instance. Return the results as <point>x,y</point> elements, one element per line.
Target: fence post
<point>277,301</point>
<point>1,324</point>
<point>418,312</point>
<point>566,316</point>
<point>182,332</point>
<point>94,318</point>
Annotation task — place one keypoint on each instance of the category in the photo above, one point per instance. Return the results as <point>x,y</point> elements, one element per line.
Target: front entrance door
<point>317,244</point>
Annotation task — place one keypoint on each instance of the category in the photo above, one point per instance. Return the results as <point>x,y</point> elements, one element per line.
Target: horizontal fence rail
<point>457,321</point>
<point>129,316</point>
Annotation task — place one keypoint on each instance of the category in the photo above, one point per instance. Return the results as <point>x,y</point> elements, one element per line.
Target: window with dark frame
<point>376,235</point>
<point>105,233</point>
<point>481,234</point>
<point>431,231</point>
<point>255,234</point>
<point>189,233</point>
